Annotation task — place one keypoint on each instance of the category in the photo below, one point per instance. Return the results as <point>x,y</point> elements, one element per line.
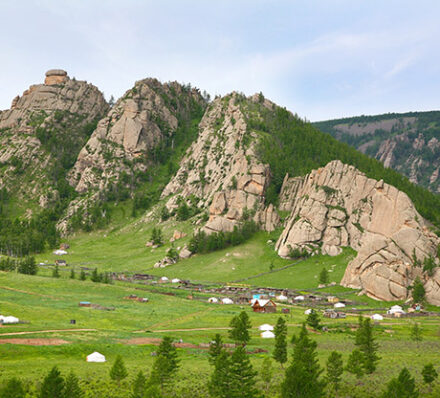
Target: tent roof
<point>265,327</point>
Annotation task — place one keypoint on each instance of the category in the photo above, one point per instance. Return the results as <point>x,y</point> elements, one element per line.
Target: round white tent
<point>377,317</point>
<point>213,300</point>
<point>281,297</point>
<point>299,298</point>
<point>339,305</point>
<point>164,279</point>
<point>227,300</point>
<point>267,335</point>
<point>265,327</point>
<point>175,280</point>
<point>308,312</point>
<point>95,357</point>
<point>8,319</point>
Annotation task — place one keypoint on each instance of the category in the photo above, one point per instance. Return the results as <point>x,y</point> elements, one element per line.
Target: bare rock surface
<point>338,206</point>
<point>222,171</point>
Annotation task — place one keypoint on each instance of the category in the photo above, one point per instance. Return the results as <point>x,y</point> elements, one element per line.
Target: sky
<point>321,59</point>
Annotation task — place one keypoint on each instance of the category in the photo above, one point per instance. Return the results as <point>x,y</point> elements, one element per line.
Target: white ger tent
<point>95,357</point>
<point>265,327</point>
<point>267,335</point>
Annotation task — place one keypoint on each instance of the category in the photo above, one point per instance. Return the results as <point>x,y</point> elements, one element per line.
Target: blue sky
<point>321,59</point>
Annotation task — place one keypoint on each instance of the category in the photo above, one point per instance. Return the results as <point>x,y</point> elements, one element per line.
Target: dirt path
<point>188,330</point>
<point>35,342</point>
<point>48,331</point>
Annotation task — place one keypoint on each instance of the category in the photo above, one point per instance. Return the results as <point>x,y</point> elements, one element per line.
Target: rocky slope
<point>339,206</point>
<point>124,141</point>
<point>408,143</point>
<point>222,172</point>
<point>41,132</point>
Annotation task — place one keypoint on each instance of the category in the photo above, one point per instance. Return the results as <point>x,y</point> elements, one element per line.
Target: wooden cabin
<point>264,306</point>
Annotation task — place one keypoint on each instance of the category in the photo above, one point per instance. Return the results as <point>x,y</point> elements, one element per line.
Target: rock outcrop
<point>59,111</point>
<point>222,170</point>
<point>145,116</point>
<point>338,206</point>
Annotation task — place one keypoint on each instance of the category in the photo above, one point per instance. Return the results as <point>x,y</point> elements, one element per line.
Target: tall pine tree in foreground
<point>53,385</point>
<point>302,378</point>
<point>335,368</point>
<point>366,343</point>
<point>403,386</point>
<point>240,325</point>
<point>280,351</point>
<point>242,376</point>
<point>165,365</point>
<point>220,381</point>
<point>72,389</point>
<point>139,385</point>
<point>118,371</point>
<point>215,348</point>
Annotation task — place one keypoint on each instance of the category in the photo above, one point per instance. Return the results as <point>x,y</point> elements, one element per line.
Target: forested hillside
<point>407,142</point>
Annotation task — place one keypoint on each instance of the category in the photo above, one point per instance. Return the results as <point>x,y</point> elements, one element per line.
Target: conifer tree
<point>118,371</point>
<point>323,276</point>
<point>215,348</point>
<point>302,378</point>
<point>416,333</point>
<point>240,325</point>
<point>53,385</point>
<point>418,291</point>
<point>165,365</point>
<point>72,389</point>
<point>280,351</point>
<point>355,363</point>
<point>13,389</point>
<point>367,344</point>
<point>403,386</point>
<point>242,376</point>
<point>72,274</point>
<point>313,320</point>
<point>266,373</point>
<point>82,275</point>
<point>220,381</point>
<point>335,368</point>
<point>139,386</point>
<point>95,276</point>
<point>429,373</point>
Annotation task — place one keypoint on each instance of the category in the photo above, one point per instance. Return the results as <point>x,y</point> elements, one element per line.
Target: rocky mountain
<point>221,164</point>
<point>42,133</point>
<point>408,143</point>
<point>338,206</point>
<point>222,171</point>
<point>124,141</point>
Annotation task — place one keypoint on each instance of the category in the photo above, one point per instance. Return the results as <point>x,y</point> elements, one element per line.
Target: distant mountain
<point>406,142</point>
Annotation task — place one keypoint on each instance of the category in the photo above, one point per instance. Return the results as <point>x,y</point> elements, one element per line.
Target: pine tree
<point>416,333</point>
<point>53,385</point>
<point>56,272</point>
<point>280,351</point>
<point>165,365</point>
<point>266,373</point>
<point>429,373</point>
<point>95,276</point>
<point>240,325</point>
<point>220,381</point>
<point>403,386</point>
<point>72,390</point>
<point>335,368</point>
<point>156,236</point>
<point>242,375</point>
<point>355,363</point>
<point>367,345</point>
<point>418,291</point>
<point>313,320</point>
<point>139,386</point>
<point>215,348</point>
<point>72,274</point>
<point>323,276</point>
<point>302,376</point>
<point>13,389</point>
<point>118,371</point>
<point>82,275</point>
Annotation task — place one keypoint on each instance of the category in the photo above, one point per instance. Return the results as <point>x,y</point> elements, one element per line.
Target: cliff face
<point>408,143</point>
<point>222,171</point>
<point>42,130</point>
<point>338,206</point>
<point>145,116</point>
